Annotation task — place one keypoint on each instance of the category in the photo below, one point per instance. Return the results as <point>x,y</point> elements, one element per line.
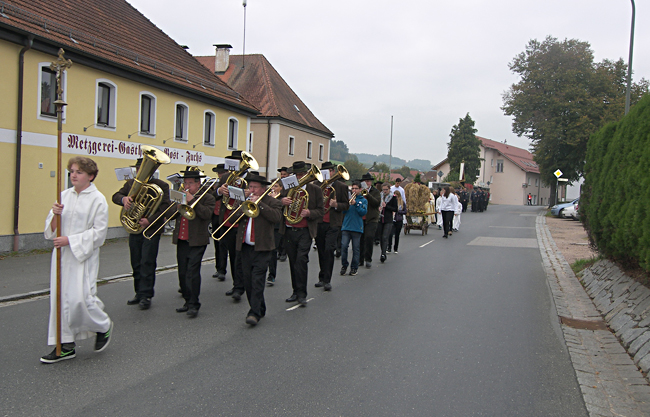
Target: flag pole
<point>60,65</point>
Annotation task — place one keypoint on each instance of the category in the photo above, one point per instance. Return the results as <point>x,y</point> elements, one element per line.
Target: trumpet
<point>249,208</point>
<point>186,210</point>
<point>363,192</point>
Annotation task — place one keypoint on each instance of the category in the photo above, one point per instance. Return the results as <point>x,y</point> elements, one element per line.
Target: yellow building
<point>129,85</point>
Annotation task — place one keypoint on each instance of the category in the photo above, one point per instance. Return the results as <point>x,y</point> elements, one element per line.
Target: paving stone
<point>630,335</point>
<point>620,321</point>
<point>609,317</point>
<point>640,341</point>
<point>642,352</point>
<point>645,322</point>
<point>598,411</point>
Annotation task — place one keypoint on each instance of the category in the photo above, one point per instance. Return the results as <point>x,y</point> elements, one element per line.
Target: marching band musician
<point>387,207</point>
<point>370,220</point>
<point>144,252</point>
<point>220,258</point>
<point>255,243</point>
<point>281,253</point>
<point>227,244</point>
<point>329,228</point>
<point>273,262</point>
<point>298,237</point>
<point>191,237</point>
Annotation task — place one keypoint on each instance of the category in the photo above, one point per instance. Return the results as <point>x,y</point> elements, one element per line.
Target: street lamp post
<point>629,63</point>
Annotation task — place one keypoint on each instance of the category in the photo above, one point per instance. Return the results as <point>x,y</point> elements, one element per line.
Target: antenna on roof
<point>243,58</point>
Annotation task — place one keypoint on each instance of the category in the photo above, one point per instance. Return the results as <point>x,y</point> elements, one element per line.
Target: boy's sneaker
<point>103,339</point>
<point>65,354</point>
<point>353,271</point>
<point>344,269</point>
<point>388,250</point>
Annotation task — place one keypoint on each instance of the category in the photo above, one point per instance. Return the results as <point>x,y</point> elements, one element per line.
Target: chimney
<point>221,58</point>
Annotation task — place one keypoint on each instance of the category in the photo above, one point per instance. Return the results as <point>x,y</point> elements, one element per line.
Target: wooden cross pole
<point>58,66</point>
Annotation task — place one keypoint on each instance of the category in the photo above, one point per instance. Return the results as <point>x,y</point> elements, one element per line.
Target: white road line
<point>298,305</point>
<point>426,243</point>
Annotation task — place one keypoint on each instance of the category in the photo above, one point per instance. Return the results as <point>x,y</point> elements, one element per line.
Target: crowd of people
<point>255,223</point>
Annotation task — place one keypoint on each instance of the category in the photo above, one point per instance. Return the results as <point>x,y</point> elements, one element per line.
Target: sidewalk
<point>23,276</point>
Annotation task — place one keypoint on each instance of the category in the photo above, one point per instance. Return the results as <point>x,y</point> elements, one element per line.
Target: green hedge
<point>615,200</point>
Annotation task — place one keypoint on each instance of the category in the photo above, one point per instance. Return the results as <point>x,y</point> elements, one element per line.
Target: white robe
<point>457,213</point>
<point>439,213</point>
<point>84,221</point>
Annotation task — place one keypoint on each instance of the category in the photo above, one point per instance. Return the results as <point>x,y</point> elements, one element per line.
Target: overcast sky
<point>427,63</point>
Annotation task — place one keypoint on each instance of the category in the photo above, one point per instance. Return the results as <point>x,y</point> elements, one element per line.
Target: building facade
<point>121,93</point>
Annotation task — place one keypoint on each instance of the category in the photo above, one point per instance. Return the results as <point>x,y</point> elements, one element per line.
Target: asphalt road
<point>448,327</point>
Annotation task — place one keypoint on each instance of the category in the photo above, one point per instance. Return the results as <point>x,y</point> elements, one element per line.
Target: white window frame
<point>233,133</point>
<point>185,132</point>
<point>152,115</point>
<point>64,78</point>
<point>249,143</point>
<point>497,168</point>
<point>112,108</point>
<point>310,149</point>
<point>213,125</point>
<point>292,145</point>
<point>321,152</point>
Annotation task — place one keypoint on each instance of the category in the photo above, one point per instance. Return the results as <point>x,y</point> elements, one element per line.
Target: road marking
<point>504,242</point>
<point>298,305</point>
<point>426,243</point>
<point>513,227</point>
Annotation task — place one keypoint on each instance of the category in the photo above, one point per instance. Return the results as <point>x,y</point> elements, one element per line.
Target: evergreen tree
<point>464,146</point>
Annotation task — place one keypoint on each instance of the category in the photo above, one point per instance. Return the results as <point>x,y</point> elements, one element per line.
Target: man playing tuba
<point>144,252</point>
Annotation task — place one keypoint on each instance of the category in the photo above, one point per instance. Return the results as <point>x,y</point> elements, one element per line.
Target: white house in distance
<point>509,172</point>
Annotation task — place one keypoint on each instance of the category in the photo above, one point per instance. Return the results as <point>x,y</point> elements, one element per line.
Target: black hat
<point>220,168</point>
<point>256,177</point>
<point>235,155</point>
<point>192,173</point>
<point>366,177</point>
<point>299,166</point>
<point>328,165</point>
<point>379,182</point>
<point>285,169</point>
<point>138,163</point>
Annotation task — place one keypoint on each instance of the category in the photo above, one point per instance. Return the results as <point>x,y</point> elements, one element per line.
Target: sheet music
<point>326,174</point>
<point>175,179</point>
<point>290,182</point>
<point>231,164</point>
<point>123,174</point>
<point>177,197</point>
<point>236,193</point>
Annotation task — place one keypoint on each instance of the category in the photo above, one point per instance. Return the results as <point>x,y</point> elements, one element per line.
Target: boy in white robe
<point>84,223</point>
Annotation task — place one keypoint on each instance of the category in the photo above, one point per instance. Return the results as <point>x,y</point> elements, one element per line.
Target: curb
<point>100,281</point>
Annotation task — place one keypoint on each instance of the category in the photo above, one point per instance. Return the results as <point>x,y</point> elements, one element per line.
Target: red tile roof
<point>263,86</point>
<point>113,31</point>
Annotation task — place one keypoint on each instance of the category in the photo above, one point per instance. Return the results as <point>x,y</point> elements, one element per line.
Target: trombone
<point>249,209</point>
<point>186,210</point>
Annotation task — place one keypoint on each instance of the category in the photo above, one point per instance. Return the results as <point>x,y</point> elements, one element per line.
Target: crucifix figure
<point>58,66</point>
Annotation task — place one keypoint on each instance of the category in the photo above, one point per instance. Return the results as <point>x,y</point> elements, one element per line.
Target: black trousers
<point>217,259</point>
<point>297,242</point>
<point>397,229</point>
<point>326,244</point>
<point>447,221</point>
<point>273,262</point>
<point>254,273</point>
<point>383,230</point>
<point>464,204</point>
<point>144,253</point>
<point>189,271</point>
<point>229,248</point>
<point>368,240</point>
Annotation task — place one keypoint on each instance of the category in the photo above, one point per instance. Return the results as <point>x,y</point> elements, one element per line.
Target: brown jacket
<point>198,227</point>
<point>124,192</point>
<point>222,210</point>
<point>270,213</point>
<point>336,215</point>
<point>315,207</point>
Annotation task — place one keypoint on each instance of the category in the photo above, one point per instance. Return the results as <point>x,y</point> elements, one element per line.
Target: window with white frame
<point>292,145</point>
<point>147,114</point>
<point>181,122</point>
<point>321,152</point>
<point>233,127</point>
<point>309,149</point>
<point>499,165</point>
<point>529,181</point>
<point>209,119</point>
<point>106,97</point>
<point>249,145</point>
<point>536,182</point>
<point>47,92</point>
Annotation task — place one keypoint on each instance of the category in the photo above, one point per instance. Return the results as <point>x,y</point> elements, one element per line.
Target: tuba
<point>341,173</point>
<point>146,197</point>
<point>300,197</point>
<point>247,162</point>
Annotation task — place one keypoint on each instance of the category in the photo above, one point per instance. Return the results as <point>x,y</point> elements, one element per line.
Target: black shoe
<point>337,253</point>
<point>215,275</point>
<point>283,258</point>
<point>103,339</point>
<point>182,309</point>
<point>388,250</point>
<point>361,264</point>
<point>353,271</point>
<point>236,296</point>
<point>291,299</point>
<point>145,303</point>
<point>382,258</point>
<point>344,269</point>
<point>192,312</point>
<point>133,301</point>
<point>302,301</point>
<point>327,287</point>
<point>319,284</point>
<point>368,265</point>
<point>445,236</point>
<point>270,281</point>
<point>252,320</point>
<point>65,354</point>
<point>230,292</point>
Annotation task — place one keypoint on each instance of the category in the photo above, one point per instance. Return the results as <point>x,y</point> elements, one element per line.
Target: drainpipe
<point>29,41</point>
<point>268,148</point>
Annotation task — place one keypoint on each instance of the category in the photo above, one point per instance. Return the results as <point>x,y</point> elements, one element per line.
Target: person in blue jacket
<point>352,229</point>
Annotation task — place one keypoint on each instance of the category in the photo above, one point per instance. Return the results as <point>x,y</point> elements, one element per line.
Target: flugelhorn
<point>247,162</point>
<point>146,198</point>
<point>363,192</point>
<point>248,208</point>
<point>300,197</point>
<point>342,172</point>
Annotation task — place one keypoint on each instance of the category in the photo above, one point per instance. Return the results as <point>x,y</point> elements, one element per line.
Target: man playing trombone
<point>144,252</point>
<point>191,237</point>
<point>256,241</point>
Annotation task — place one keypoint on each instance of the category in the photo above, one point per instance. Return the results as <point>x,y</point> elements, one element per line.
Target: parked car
<point>556,210</point>
<point>569,212</point>
<point>576,213</point>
